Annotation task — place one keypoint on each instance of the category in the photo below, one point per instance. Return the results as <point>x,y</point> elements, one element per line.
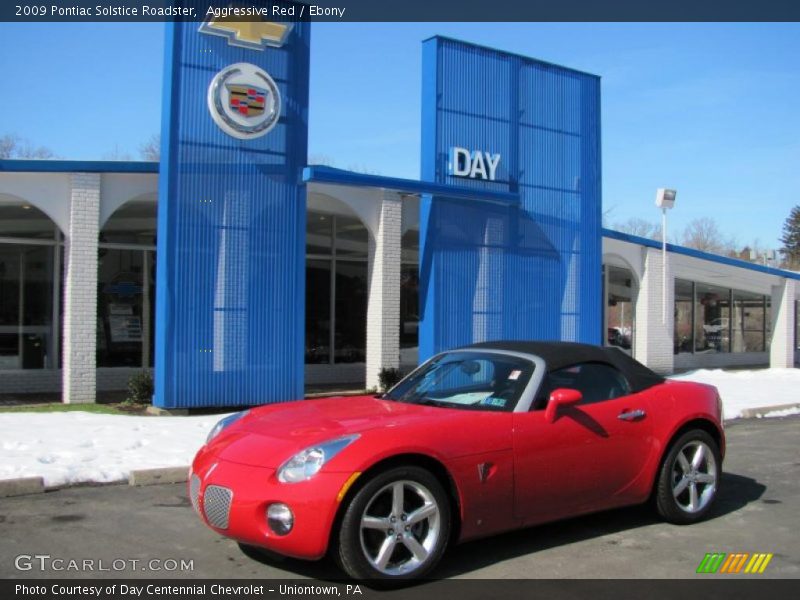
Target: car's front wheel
<point>689,478</point>
<point>396,527</point>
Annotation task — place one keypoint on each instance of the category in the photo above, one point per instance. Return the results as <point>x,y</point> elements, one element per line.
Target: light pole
<point>665,199</point>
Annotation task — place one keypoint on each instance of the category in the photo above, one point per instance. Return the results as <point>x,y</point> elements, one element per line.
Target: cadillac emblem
<point>244,101</point>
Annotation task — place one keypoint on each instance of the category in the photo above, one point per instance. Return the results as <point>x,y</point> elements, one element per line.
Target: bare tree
<point>703,234</point>
<point>117,154</point>
<point>12,146</point>
<point>151,149</point>
<point>640,227</point>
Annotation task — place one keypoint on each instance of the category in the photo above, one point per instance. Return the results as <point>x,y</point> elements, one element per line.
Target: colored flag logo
<point>736,562</point>
<point>246,100</point>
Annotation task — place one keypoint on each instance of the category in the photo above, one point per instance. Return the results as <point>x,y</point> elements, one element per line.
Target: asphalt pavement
<point>152,532</point>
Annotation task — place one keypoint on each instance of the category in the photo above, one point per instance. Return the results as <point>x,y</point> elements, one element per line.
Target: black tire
<point>359,550</point>
<point>674,499</point>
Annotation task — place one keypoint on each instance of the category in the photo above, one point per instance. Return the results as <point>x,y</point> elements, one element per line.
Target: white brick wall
<point>383,305</point>
<point>783,327</point>
<point>31,381</point>
<point>653,345</point>
<point>80,289</point>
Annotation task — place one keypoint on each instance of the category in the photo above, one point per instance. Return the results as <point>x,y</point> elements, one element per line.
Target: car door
<point>589,456</point>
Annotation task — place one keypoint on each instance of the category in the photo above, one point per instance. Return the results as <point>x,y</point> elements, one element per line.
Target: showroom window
<point>409,298</point>
<point>337,249</point>
<point>684,316</point>
<point>126,262</point>
<point>712,319</point>
<point>619,292</point>
<point>30,265</point>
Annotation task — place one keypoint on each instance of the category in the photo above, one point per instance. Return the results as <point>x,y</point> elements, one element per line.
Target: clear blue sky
<point>709,109</point>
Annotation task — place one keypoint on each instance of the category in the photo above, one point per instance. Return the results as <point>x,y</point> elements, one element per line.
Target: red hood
<point>282,430</point>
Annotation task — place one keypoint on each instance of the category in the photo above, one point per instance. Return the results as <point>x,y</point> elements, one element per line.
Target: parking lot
<point>757,511</point>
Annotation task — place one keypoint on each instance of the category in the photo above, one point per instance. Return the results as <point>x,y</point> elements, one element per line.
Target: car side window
<point>595,381</point>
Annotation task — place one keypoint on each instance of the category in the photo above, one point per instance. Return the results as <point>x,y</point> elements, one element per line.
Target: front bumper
<point>232,499</point>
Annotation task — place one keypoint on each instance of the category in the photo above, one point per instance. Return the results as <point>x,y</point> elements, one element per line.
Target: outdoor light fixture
<point>665,199</point>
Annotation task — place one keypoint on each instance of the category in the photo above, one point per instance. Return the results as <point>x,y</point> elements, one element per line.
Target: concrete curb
<point>159,475</point>
<point>21,486</point>
<point>760,411</point>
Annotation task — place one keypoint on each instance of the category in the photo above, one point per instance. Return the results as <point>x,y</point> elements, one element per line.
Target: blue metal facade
<point>231,232</point>
<point>531,271</point>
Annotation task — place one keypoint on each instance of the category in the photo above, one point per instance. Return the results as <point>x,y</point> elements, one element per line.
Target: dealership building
<point>240,274</point>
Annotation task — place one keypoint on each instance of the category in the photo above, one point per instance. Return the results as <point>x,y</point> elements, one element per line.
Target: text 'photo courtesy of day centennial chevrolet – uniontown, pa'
<point>298,11</point>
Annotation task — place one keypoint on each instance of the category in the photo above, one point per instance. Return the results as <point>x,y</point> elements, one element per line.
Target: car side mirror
<point>561,397</point>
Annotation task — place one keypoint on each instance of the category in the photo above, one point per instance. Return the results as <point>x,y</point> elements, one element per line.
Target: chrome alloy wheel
<point>400,527</point>
<point>694,477</point>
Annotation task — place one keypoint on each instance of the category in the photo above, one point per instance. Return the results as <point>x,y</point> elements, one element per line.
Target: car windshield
<point>466,380</point>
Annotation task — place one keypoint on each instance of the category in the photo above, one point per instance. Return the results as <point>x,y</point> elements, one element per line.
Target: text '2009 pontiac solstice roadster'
<point>476,441</point>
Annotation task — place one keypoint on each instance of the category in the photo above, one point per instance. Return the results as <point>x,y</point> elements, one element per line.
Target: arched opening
<point>126,286</point>
<point>30,286</point>
<point>620,292</point>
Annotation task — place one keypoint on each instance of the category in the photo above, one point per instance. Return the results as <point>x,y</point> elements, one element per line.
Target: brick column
<point>654,337</point>
<point>781,352</point>
<point>80,290</point>
<point>383,304</point>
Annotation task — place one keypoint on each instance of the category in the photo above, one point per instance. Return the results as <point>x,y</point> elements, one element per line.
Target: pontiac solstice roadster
<point>476,441</point>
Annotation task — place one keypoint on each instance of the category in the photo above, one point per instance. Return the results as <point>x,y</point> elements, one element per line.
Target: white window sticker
<point>514,375</point>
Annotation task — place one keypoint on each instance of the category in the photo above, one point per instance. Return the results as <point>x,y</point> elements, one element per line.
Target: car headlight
<point>306,463</point>
<point>223,423</point>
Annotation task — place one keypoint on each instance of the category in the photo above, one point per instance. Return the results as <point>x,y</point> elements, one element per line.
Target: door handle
<point>632,415</point>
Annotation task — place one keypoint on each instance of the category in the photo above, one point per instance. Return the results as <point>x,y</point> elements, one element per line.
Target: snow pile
<point>751,389</point>
<point>72,447</point>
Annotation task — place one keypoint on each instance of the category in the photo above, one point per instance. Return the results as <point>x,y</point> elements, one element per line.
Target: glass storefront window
<point>767,322</point>
<point>126,287</point>
<point>797,325</point>
<point>619,308</point>
<point>684,303</point>
<point>343,313</point>
<point>711,318</point>
<point>724,320</point>
<point>409,306</point>
<point>409,287</point>
<point>26,307</point>
<point>410,246</point>
<point>124,306</point>
<point>318,311</point>
<point>29,270</point>
<point>350,342</point>
<point>748,322</point>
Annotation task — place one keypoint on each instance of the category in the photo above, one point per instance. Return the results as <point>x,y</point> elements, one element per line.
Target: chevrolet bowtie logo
<point>255,35</point>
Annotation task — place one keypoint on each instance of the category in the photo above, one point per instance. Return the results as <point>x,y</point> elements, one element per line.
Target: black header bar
<point>404,10</point>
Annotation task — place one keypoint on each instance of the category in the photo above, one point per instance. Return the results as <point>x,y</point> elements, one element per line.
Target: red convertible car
<point>476,441</point>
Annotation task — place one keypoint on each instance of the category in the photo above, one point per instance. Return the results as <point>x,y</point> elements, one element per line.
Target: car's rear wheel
<point>689,478</point>
<point>396,527</point>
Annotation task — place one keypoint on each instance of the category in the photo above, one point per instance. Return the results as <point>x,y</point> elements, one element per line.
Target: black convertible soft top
<point>558,355</point>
